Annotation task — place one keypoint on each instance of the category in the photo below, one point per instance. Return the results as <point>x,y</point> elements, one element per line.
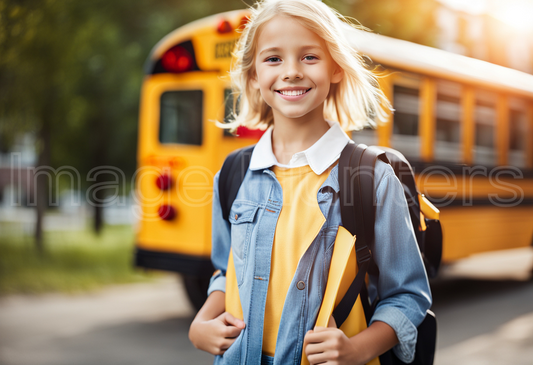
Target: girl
<point>296,75</point>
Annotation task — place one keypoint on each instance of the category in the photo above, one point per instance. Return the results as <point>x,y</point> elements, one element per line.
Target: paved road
<point>484,308</point>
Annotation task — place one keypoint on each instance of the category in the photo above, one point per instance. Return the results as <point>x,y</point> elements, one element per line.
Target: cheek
<point>319,76</point>
<point>264,86</point>
<point>323,84</point>
<point>266,78</point>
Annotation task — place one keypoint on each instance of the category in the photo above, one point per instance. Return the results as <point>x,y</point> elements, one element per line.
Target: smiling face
<point>293,69</point>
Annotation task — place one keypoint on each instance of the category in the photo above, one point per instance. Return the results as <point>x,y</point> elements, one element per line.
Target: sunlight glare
<point>517,14</point>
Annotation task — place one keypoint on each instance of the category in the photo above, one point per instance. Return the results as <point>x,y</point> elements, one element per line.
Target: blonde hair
<point>354,102</point>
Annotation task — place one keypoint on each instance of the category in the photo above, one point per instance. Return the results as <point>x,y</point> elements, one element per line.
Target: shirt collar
<point>320,156</point>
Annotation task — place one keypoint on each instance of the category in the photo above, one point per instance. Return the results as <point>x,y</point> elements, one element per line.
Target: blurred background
<point>70,81</point>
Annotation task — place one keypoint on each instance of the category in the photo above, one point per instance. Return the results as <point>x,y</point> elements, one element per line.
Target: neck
<point>292,135</point>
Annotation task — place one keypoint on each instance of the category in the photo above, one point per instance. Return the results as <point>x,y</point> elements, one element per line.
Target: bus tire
<point>531,269</point>
<point>196,288</point>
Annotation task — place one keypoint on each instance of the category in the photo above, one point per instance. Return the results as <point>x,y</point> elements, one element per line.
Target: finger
<point>231,320</point>
<point>320,358</point>
<point>223,346</point>
<point>218,351</point>
<point>316,337</point>
<point>227,343</point>
<point>306,340</point>
<point>231,331</point>
<point>315,348</point>
<point>322,329</point>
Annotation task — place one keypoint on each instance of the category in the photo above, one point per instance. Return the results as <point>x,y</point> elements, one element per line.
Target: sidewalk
<point>512,344</point>
<point>148,323</point>
<point>29,323</point>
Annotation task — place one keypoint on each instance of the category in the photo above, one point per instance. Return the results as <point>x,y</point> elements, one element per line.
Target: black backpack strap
<point>360,188</point>
<point>356,180</point>
<point>352,219</point>
<point>231,177</point>
<point>347,194</point>
<point>368,163</point>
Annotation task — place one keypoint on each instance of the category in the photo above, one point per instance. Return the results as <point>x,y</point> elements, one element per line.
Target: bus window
<point>241,132</point>
<point>485,120</point>
<point>405,120</point>
<point>367,135</point>
<point>448,126</point>
<point>517,132</point>
<point>181,117</point>
<point>228,109</point>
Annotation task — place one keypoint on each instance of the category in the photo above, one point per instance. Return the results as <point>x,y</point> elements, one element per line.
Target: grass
<point>73,261</point>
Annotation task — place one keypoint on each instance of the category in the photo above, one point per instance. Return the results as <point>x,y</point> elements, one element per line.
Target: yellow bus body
<point>483,207</point>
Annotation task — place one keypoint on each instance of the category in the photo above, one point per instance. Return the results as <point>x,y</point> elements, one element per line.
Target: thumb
<point>332,322</point>
<point>231,320</point>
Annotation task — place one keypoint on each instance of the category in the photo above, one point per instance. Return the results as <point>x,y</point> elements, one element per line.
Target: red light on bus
<point>177,59</point>
<point>167,212</point>
<point>243,22</point>
<point>243,132</point>
<point>224,26</point>
<point>163,182</point>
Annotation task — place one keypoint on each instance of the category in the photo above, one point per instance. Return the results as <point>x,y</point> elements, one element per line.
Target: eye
<point>273,59</point>
<point>310,58</point>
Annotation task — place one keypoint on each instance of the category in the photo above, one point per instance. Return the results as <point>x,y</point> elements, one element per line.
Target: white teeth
<point>292,92</point>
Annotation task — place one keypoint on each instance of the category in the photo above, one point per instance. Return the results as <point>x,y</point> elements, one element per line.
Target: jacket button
<point>236,216</point>
<point>300,285</point>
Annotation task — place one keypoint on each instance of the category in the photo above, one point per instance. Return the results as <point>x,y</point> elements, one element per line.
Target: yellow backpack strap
<point>427,208</point>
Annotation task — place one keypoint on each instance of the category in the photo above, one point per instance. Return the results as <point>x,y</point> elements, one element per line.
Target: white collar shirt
<point>320,156</point>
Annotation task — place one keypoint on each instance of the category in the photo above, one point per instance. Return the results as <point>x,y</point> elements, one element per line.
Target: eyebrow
<point>277,49</point>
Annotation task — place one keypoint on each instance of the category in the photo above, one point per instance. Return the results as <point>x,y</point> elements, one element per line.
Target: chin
<point>293,114</point>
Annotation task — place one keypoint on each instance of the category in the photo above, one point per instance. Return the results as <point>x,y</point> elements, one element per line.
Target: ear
<point>338,75</point>
<point>253,80</point>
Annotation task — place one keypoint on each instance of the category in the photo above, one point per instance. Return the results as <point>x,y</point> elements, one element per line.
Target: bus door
<point>177,139</point>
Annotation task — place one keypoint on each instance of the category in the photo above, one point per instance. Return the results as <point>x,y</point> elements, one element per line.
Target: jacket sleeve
<point>402,286</point>
<point>220,243</point>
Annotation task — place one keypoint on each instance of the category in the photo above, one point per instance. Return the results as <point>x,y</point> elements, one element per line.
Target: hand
<point>216,335</point>
<point>329,345</point>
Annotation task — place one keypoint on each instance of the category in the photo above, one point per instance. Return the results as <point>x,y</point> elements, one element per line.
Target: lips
<point>293,92</point>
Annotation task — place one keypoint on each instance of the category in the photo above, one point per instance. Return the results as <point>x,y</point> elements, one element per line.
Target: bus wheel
<point>196,287</point>
<point>531,270</point>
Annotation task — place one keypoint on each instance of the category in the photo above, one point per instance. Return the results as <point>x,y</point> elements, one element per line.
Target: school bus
<point>465,125</point>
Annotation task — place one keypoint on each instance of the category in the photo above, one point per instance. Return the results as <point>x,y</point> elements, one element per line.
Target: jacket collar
<point>321,155</point>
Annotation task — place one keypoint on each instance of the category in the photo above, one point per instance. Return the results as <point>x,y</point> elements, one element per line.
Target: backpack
<point>356,180</point>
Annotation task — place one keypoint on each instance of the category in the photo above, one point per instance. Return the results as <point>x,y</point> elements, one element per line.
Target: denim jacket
<point>402,285</point>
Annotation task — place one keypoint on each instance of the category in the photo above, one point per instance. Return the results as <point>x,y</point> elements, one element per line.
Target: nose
<point>292,71</point>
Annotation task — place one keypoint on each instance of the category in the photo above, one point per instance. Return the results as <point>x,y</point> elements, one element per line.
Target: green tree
<point>33,96</point>
<point>71,72</point>
<point>410,20</point>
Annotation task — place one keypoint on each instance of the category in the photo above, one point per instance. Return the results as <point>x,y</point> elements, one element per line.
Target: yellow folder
<point>342,272</point>
<point>233,300</point>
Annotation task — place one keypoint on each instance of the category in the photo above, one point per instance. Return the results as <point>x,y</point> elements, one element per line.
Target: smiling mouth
<point>292,92</point>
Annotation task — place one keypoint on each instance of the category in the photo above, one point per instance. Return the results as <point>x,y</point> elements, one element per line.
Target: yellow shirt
<point>299,222</point>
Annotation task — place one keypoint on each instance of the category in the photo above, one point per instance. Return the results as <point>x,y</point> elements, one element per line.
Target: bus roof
<point>435,62</point>
<point>187,31</point>
<point>389,52</point>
